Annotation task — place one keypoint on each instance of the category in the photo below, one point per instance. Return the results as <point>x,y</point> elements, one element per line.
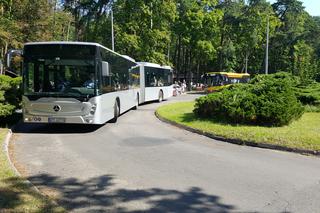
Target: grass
<point>303,133</point>
<point>15,194</point>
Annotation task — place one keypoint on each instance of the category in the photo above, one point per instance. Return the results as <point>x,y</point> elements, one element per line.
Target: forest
<point>193,36</point>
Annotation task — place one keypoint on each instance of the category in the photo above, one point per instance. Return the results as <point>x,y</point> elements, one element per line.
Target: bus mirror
<point>105,69</point>
<point>14,61</point>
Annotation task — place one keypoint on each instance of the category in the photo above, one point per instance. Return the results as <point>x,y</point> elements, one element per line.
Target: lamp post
<point>267,49</point>
<point>112,31</point>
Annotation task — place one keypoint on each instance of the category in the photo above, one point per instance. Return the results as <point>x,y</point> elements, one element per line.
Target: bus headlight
<point>28,119</point>
<point>89,121</point>
<point>93,109</point>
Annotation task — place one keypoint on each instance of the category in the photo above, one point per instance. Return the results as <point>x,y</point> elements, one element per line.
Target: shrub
<point>10,95</point>
<point>266,100</point>
<point>308,94</point>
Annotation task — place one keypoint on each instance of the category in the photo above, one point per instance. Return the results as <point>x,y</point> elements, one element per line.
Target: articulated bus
<point>216,81</point>
<point>86,83</point>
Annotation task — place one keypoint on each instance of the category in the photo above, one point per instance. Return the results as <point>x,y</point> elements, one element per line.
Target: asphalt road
<point>141,164</point>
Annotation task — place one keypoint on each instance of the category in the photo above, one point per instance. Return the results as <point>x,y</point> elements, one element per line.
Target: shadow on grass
<point>100,194</point>
<point>197,93</point>
<point>191,117</point>
<point>17,196</point>
<point>7,122</point>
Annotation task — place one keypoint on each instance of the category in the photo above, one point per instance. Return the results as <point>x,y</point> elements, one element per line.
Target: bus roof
<point>230,74</point>
<point>77,43</point>
<point>148,64</point>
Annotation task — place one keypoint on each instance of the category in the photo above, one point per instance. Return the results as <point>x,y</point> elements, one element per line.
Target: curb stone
<point>239,141</point>
<point>6,149</point>
<point>16,172</point>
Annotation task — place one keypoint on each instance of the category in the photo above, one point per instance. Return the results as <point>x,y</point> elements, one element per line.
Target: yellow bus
<point>216,81</point>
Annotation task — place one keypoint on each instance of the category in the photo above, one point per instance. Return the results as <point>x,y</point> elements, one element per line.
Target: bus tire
<point>137,102</point>
<point>160,98</point>
<point>116,112</point>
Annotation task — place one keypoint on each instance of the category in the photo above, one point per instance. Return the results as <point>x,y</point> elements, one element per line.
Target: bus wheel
<point>137,102</point>
<point>116,112</point>
<point>160,99</point>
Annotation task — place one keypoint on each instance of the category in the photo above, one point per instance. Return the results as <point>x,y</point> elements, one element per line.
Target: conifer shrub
<point>268,100</point>
<point>308,94</point>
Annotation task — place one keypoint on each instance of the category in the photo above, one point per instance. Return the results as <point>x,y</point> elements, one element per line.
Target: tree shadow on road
<point>100,194</point>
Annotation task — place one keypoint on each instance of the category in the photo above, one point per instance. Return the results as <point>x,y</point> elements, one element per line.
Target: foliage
<point>309,94</point>
<point>267,100</point>
<point>24,21</point>
<point>143,28</point>
<point>303,133</point>
<point>192,36</point>
<point>10,95</point>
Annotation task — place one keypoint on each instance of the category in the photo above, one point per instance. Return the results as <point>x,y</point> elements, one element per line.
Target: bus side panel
<point>152,93</point>
<point>105,104</point>
<point>167,92</point>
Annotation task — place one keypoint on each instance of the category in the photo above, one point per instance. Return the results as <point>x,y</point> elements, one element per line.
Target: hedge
<point>268,100</point>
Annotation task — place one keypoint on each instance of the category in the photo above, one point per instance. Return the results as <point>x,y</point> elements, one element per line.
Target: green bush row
<point>308,94</point>
<point>267,100</point>
<point>10,95</point>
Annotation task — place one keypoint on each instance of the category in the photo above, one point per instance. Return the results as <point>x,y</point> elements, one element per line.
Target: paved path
<point>142,164</point>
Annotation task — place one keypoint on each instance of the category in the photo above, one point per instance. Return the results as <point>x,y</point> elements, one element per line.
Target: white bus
<point>79,82</point>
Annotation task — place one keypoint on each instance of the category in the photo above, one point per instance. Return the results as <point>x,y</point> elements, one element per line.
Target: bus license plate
<point>56,120</point>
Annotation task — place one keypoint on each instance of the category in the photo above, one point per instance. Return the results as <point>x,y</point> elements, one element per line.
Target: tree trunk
<point>178,63</point>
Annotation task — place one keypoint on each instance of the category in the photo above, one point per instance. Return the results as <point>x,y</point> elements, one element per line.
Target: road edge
<point>239,141</point>
<point>7,142</point>
<point>6,145</point>
<point>6,149</point>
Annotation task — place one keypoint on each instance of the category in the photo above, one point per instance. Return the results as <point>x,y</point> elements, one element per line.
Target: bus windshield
<point>56,73</point>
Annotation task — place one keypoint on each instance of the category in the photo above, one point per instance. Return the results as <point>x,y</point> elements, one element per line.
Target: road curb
<point>239,141</point>
<point>7,141</point>
<point>6,149</point>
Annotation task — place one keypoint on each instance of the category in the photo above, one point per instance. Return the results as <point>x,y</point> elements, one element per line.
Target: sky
<point>312,6</point>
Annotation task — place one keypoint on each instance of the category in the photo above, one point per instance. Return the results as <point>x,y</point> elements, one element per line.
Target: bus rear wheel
<point>116,112</point>
<point>160,98</point>
<point>137,102</point>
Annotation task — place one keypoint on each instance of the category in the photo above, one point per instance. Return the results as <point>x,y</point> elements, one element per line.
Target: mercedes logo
<point>56,108</point>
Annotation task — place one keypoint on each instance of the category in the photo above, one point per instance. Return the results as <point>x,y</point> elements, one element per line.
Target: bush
<point>266,100</point>
<point>10,95</point>
<point>308,94</point>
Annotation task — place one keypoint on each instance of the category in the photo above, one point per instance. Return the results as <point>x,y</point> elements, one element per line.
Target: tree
<point>143,28</point>
<point>293,17</point>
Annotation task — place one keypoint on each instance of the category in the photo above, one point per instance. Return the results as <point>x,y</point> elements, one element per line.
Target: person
<point>90,82</point>
<point>62,84</point>
<point>40,86</point>
<point>184,86</point>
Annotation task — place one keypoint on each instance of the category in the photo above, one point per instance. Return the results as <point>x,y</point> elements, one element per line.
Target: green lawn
<point>303,134</point>
<point>15,194</point>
